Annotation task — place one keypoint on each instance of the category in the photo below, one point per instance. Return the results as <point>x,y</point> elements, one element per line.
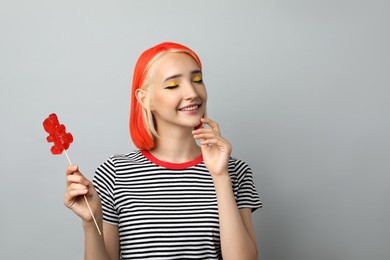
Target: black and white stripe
<point>163,213</point>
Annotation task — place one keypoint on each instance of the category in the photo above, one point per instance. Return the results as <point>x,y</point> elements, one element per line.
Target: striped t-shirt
<point>167,210</point>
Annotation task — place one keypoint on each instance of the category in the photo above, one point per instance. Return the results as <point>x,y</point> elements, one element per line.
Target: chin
<point>194,124</point>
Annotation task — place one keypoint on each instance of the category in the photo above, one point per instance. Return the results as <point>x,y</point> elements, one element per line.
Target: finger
<point>213,139</point>
<point>77,179</point>
<point>70,196</point>
<point>210,141</point>
<point>205,131</point>
<point>72,169</point>
<point>76,193</point>
<point>211,123</point>
<point>77,186</point>
<point>205,136</point>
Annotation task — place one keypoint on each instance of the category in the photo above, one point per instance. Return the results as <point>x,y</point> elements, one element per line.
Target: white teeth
<point>189,108</point>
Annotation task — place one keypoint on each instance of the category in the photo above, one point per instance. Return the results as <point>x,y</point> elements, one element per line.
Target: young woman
<point>181,195</point>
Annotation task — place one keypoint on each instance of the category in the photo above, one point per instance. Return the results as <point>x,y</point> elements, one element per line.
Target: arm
<point>97,247</point>
<point>236,228</point>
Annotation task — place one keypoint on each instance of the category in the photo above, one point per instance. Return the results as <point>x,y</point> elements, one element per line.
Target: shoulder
<point>117,166</point>
<point>243,185</point>
<point>237,162</point>
<point>133,157</point>
<point>128,164</point>
<point>119,161</point>
<point>239,170</point>
<point>237,165</point>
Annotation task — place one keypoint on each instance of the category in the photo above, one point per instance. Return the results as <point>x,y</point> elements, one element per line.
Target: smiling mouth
<point>190,108</point>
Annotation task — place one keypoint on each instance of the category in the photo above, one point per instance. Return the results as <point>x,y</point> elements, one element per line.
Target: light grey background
<point>300,88</point>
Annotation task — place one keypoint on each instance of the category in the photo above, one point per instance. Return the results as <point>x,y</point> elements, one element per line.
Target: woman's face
<point>177,95</point>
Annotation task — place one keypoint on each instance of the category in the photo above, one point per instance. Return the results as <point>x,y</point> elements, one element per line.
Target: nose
<point>190,91</point>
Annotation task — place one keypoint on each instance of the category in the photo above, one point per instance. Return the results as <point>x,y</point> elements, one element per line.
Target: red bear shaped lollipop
<point>57,134</point>
<point>61,139</point>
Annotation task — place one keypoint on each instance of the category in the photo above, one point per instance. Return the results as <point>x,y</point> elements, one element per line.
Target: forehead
<point>172,63</point>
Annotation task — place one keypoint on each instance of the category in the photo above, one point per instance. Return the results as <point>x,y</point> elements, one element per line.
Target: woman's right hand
<point>77,186</point>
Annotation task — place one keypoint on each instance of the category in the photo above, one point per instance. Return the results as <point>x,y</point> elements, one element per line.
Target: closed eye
<point>172,87</point>
<point>197,79</point>
<point>172,84</point>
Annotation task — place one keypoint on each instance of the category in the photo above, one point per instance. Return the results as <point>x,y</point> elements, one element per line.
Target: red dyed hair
<point>140,134</point>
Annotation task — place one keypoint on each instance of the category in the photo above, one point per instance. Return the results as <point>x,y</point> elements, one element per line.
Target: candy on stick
<point>57,135</point>
<point>61,139</point>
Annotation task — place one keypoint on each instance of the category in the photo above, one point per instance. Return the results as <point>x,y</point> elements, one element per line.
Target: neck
<point>176,146</point>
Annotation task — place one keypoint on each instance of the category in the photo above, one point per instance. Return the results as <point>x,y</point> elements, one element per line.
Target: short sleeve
<point>104,182</point>
<point>247,196</point>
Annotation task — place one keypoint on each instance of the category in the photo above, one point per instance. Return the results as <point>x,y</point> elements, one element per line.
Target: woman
<point>173,198</point>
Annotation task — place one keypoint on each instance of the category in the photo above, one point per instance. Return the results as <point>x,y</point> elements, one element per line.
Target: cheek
<point>161,101</point>
<point>203,94</point>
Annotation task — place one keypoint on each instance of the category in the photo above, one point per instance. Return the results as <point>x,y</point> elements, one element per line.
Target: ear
<point>140,94</point>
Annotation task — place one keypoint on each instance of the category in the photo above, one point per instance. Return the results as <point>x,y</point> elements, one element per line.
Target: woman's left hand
<point>215,149</point>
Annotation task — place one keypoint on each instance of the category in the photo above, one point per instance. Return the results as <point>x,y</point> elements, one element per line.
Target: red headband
<point>140,135</point>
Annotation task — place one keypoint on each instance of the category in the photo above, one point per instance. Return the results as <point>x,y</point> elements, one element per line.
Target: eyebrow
<point>180,75</point>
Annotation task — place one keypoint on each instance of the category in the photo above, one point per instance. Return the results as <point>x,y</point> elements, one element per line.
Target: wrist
<point>90,223</point>
<point>221,174</point>
<point>223,186</point>
<point>222,177</point>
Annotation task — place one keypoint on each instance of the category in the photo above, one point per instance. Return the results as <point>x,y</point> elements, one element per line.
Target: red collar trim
<point>169,165</point>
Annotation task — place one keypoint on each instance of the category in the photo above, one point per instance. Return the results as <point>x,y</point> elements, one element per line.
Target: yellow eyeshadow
<point>172,83</point>
<point>197,78</point>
